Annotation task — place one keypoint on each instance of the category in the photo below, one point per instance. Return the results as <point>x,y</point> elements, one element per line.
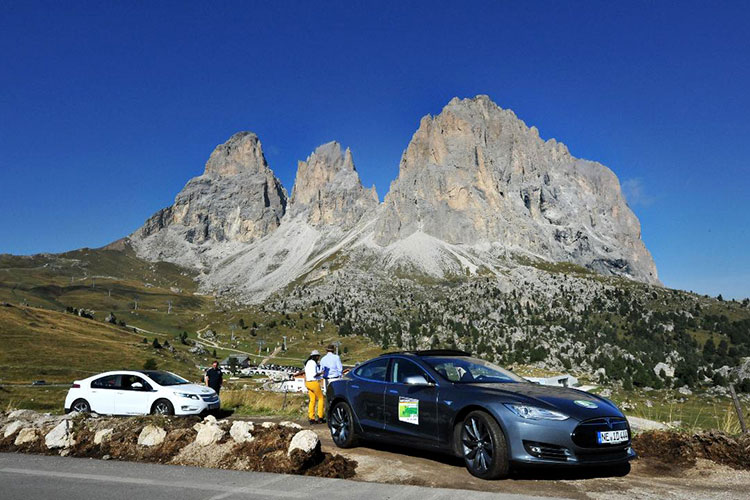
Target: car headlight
<point>534,412</point>
<point>186,395</point>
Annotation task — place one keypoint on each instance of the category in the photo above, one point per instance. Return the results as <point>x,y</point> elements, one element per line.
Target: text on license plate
<point>213,406</point>
<point>612,437</point>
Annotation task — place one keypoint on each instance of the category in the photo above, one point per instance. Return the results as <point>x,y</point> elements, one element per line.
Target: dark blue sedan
<point>450,402</point>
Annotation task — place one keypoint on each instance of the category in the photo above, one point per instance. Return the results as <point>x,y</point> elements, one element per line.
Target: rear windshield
<point>165,378</point>
<point>465,370</point>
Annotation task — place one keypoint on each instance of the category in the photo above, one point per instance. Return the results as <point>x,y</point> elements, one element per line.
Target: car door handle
<point>354,386</point>
<point>393,391</point>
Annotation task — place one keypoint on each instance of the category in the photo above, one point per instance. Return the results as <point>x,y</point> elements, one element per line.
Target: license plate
<point>213,406</point>
<point>612,437</point>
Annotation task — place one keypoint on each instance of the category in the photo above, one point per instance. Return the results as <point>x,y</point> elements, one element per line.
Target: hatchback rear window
<point>108,382</point>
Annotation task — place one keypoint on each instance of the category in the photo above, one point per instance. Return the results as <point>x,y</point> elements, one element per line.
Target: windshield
<point>165,378</point>
<point>464,370</point>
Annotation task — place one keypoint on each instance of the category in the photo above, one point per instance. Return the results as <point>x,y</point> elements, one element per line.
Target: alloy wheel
<point>339,422</point>
<point>81,407</point>
<point>478,446</point>
<point>162,408</point>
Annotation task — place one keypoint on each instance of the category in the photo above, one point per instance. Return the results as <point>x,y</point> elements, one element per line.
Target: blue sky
<point>108,108</point>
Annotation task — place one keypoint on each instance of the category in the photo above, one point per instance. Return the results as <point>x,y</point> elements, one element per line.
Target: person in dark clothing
<point>214,377</point>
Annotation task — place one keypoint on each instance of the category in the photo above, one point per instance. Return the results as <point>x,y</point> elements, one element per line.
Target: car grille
<point>546,451</point>
<point>585,435</point>
<point>211,398</point>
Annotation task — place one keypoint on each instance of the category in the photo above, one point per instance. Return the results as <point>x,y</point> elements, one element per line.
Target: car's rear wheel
<point>341,424</point>
<point>485,450</point>
<point>162,407</point>
<point>81,406</point>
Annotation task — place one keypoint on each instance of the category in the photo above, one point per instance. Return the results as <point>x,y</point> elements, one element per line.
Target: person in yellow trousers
<point>313,376</point>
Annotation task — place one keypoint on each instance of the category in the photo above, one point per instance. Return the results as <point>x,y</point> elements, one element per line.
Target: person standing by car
<point>331,364</point>
<point>313,376</point>
<point>214,377</point>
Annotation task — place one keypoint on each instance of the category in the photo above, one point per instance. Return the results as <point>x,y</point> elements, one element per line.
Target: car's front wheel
<point>341,424</point>
<point>162,407</point>
<point>81,406</point>
<point>485,450</point>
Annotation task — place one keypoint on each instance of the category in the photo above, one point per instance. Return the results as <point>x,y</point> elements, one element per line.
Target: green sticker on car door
<point>408,410</point>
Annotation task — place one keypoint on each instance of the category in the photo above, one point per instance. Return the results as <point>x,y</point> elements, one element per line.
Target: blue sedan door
<point>411,410</point>
<point>366,392</point>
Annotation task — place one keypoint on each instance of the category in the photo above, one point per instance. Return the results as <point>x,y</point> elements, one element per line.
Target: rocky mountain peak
<point>327,189</point>
<point>237,199</point>
<point>476,175</point>
<point>242,153</point>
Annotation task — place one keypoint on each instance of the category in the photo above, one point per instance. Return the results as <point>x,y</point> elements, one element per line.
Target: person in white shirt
<point>313,376</point>
<point>331,364</point>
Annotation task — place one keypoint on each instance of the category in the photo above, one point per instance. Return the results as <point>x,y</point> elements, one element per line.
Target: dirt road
<point>647,479</point>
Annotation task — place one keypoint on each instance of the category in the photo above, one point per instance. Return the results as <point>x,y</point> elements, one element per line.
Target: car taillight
<point>76,386</point>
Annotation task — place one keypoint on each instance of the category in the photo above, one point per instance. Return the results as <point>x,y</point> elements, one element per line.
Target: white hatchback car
<point>139,393</point>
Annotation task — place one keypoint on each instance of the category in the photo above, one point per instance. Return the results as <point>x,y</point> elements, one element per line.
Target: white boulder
<point>306,441</point>
<point>209,434</point>
<point>13,427</point>
<point>29,415</point>
<point>104,435</point>
<point>60,436</point>
<point>26,435</point>
<point>241,431</point>
<point>151,436</point>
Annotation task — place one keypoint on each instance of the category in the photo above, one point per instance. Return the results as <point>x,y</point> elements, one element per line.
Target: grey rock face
<point>476,189</point>
<point>237,199</point>
<point>328,190</point>
<point>476,174</point>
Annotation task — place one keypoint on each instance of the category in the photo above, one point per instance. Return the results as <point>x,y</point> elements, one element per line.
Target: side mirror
<point>416,380</point>
<point>136,386</point>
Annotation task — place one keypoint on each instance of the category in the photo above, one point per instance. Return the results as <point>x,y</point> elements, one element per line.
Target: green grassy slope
<point>58,347</point>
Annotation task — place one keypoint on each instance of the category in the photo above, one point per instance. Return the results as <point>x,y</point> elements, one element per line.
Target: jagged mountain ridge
<point>237,199</point>
<point>327,188</point>
<point>476,187</point>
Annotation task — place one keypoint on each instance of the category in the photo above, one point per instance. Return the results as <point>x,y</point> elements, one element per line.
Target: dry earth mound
<point>683,449</point>
<point>240,445</point>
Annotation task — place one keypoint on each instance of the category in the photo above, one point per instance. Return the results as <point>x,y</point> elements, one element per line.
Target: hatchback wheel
<point>485,450</point>
<point>341,424</point>
<point>162,407</point>
<point>81,406</point>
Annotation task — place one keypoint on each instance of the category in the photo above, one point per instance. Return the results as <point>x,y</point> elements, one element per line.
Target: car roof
<point>125,372</point>
<point>430,352</point>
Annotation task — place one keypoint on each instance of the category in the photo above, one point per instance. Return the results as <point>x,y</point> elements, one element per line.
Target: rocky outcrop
<point>477,191</point>
<point>237,199</point>
<point>477,175</point>
<point>328,191</point>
